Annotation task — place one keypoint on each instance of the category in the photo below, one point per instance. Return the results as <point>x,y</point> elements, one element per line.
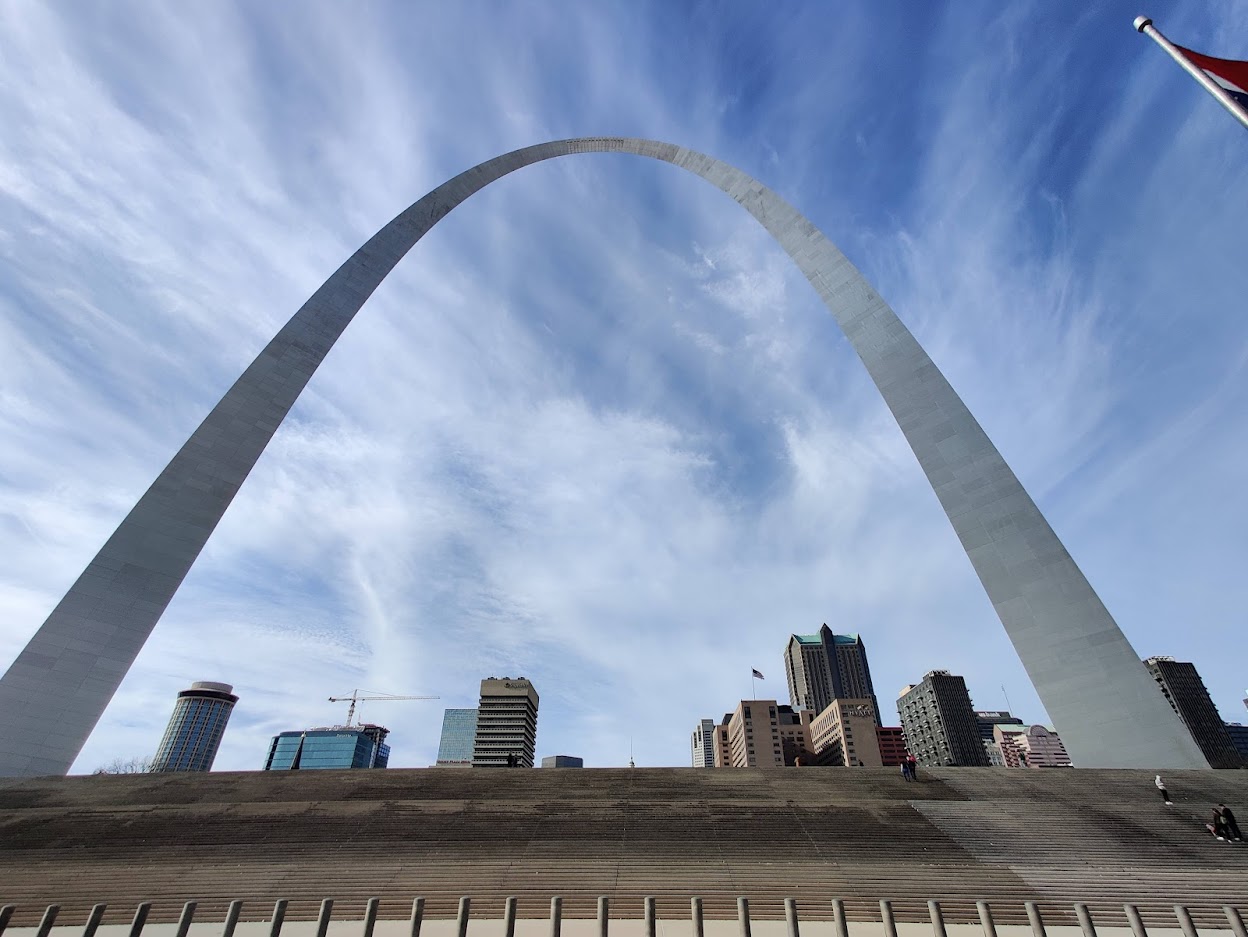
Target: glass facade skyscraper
<point>194,732</point>
<point>342,747</point>
<point>459,731</point>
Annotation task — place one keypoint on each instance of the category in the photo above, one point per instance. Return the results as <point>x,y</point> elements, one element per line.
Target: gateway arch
<point>1105,705</point>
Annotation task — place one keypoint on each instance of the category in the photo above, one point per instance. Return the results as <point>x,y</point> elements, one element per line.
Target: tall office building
<point>723,750</point>
<point>459,732</point>
<point>506,723</point>
<point>826,666</point>
<point>1187,695</point>
<point>939,723</point>
<point>702,744</point>
<point>794,729</point>
<point>361,746</point>
<point>1239,738</point>
<point>194,732</point>
<point>987,719</point>
<point>759,733</point>
<point>847,728</point>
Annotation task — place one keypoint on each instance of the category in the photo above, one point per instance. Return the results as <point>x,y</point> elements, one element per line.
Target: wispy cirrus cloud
<point>596,428</point>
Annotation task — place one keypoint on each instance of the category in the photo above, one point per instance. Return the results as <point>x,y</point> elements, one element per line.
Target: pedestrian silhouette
<point>1161,786</point>
<point>1228,823</point>
<point>1218,826</point>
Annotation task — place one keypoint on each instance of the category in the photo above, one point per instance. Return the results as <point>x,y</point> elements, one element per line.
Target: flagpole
<point>1145,25</point>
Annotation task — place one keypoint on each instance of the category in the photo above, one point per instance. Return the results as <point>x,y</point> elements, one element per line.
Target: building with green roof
<point>825,666</point>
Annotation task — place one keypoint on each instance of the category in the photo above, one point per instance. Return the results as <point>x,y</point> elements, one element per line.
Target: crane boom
<point>356,698</point>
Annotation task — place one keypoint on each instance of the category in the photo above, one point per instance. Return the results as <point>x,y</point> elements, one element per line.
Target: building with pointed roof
<point>825,666</point>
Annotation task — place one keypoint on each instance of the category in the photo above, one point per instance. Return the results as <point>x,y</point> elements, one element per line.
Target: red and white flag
<point>1225,79</point>
<point>1230,74</point>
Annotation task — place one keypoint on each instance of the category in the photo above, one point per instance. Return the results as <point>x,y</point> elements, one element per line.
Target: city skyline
<point>458,726</point>
<point>366,580</point>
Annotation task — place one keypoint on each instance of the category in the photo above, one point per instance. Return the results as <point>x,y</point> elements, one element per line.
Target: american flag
<point>759,675</point>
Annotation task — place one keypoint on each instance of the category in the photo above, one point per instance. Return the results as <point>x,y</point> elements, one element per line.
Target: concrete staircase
<point>957,835</point>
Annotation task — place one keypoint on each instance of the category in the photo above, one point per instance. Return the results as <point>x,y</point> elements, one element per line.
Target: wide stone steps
<point>957,835</point>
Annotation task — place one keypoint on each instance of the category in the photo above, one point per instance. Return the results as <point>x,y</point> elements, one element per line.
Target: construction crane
<point>356,698</point>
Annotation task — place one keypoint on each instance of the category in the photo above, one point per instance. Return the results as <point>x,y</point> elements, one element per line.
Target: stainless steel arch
<point>1107,708</point>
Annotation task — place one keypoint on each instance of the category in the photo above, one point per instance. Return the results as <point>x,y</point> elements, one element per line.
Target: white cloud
<point>595,428</point>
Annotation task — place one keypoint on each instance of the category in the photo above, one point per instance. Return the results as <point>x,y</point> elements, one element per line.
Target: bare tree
<point>135,765</point>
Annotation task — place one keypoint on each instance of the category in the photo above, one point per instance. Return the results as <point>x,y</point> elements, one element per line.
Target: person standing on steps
<point>914,767</point>
<point>905,770</point>
<point>1161,786</point>
<point>1229,824</point>
<point>1218,826</point>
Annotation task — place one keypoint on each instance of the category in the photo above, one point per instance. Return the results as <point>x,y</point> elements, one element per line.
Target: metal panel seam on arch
<point>1091,681</point>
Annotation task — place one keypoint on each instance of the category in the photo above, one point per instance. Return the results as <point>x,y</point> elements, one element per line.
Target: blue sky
<point>596,429</point>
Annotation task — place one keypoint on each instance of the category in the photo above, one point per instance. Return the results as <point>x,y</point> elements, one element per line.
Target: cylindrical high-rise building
<point>195,728</point>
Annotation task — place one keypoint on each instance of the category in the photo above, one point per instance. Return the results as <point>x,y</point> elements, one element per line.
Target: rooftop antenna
<point>630,752</point>
<point>1008,707</point>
